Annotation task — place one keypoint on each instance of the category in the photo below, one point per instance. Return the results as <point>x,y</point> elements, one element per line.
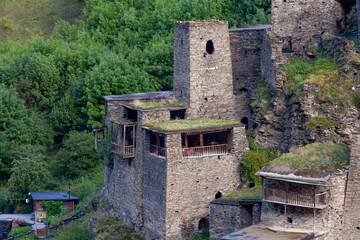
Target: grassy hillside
<point>23,19</point>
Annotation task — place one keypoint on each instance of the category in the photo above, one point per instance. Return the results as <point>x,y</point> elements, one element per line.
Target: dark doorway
<point>245,121</point>
<point>203,224</point>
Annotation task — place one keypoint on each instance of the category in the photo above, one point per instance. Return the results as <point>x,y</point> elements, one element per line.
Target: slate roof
<point>52,196</point>
<point>139,96</point>
<point>257,27</point>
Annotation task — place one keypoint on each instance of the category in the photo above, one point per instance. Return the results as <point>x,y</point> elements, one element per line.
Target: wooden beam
<point>201,139</point>
<point>134,135</point>
<point>186,141</point>
<point>158,143</point>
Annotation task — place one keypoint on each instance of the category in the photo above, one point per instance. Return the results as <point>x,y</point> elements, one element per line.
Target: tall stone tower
<point>202,69</point>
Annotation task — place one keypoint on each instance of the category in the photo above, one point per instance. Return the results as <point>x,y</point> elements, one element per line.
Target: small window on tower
<point>210,47</point>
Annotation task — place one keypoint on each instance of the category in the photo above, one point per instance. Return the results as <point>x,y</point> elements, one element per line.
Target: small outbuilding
<point>68,200</point>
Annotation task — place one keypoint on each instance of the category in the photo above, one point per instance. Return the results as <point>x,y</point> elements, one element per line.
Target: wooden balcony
<point>211,150</point>
<point>124,151</point>
<point>317,201</point>
<point>161,151</point>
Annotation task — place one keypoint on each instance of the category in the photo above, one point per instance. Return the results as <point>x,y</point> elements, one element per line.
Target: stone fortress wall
<point>215,71</point>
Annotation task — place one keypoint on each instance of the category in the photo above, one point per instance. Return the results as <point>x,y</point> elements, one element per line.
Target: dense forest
<point>52,87</point>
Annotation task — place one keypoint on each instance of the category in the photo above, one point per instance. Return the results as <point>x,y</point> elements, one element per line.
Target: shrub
<point>74,231</point>
<point>77,156</point>
<point>20,230</point>
<point>204,235</point>
<point>255,159</point>
<point>28,237</point>
<point>52,207</point>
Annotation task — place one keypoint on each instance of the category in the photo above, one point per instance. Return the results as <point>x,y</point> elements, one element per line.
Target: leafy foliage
<point>110,227</point>
<point>20,230</point>
<point>52,207</point>
<point>255,159</point>
<point>204,235</point>
<point>74,231</point>
<point>29,172</point>
<point>77,156</point>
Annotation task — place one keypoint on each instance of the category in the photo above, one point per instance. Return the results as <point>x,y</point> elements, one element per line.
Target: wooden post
<point>134,136</point>
<point>314,196</point>
<point>285,215</point>
<point>263,190</point>
<point>186,141</point>
<point>201,139</point>
<point>287,190</point>
<point>158,143</point>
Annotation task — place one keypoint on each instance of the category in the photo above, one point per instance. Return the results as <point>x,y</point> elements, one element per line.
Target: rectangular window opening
<point>157,144</point>
<point>177,114</point>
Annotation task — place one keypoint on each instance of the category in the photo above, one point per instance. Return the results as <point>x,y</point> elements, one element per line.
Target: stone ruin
<point>165,174</point>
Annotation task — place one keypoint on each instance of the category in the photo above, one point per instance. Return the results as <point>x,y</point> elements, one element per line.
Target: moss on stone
<point>321,121</point>
<point>190,124</point>
<point>254,193</point>
<point>314,160</point>
<point>335,87</point>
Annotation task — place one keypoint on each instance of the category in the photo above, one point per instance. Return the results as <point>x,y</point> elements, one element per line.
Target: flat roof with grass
<point>246,194</point>
<point>149,105</point>
<point>190,125</point>
<point>313,163</point>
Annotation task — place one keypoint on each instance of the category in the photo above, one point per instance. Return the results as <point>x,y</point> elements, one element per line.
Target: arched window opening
<point>218,195</point>
<point>245,121</point>
<point>203,224</point>
<point>210,47</point>
<point>244,90</point>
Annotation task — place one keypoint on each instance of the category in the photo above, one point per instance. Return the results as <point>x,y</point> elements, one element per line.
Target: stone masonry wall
<point>202,79</point>
<point>154,192</point>
<point>226,218</point>
<point>298,24</point>
<point>193,182</point>
<point>352,199</point>
<point>330,219</point>
<point>245,46</point>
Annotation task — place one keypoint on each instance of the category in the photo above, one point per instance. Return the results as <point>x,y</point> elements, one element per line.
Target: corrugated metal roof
<point>139,96</point>
<point>52,196</point>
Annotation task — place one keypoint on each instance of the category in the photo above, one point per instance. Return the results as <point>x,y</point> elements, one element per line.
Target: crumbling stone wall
<point>298,24</point>
<point>228,217</point>
<point>330,219</point>
<point>192,183</point>
<point>246,48</point>
<point>352,194</point>
<point>202,69</point>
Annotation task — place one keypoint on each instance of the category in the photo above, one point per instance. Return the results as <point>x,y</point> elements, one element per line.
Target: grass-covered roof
<point>147,105</point>
<point>190,124</point>
<point>254,193</point>
<point>317,160</point>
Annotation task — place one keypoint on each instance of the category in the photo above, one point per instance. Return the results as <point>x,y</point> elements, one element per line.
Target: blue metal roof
<point>52,196</point>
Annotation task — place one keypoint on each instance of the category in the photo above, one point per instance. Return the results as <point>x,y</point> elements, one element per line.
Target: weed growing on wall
<point>321,121</point>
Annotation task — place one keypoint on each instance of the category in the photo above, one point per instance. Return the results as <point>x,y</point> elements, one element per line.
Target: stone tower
<point>202,69</point>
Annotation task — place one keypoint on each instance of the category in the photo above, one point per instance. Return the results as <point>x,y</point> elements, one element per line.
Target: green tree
<point>29,172</point>
<point>77,156</point>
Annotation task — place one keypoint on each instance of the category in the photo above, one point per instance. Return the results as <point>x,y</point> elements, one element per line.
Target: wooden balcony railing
<point>125,151</point>
<point>206,150</point>
<point>155,150</point>
<point>295,199</point>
